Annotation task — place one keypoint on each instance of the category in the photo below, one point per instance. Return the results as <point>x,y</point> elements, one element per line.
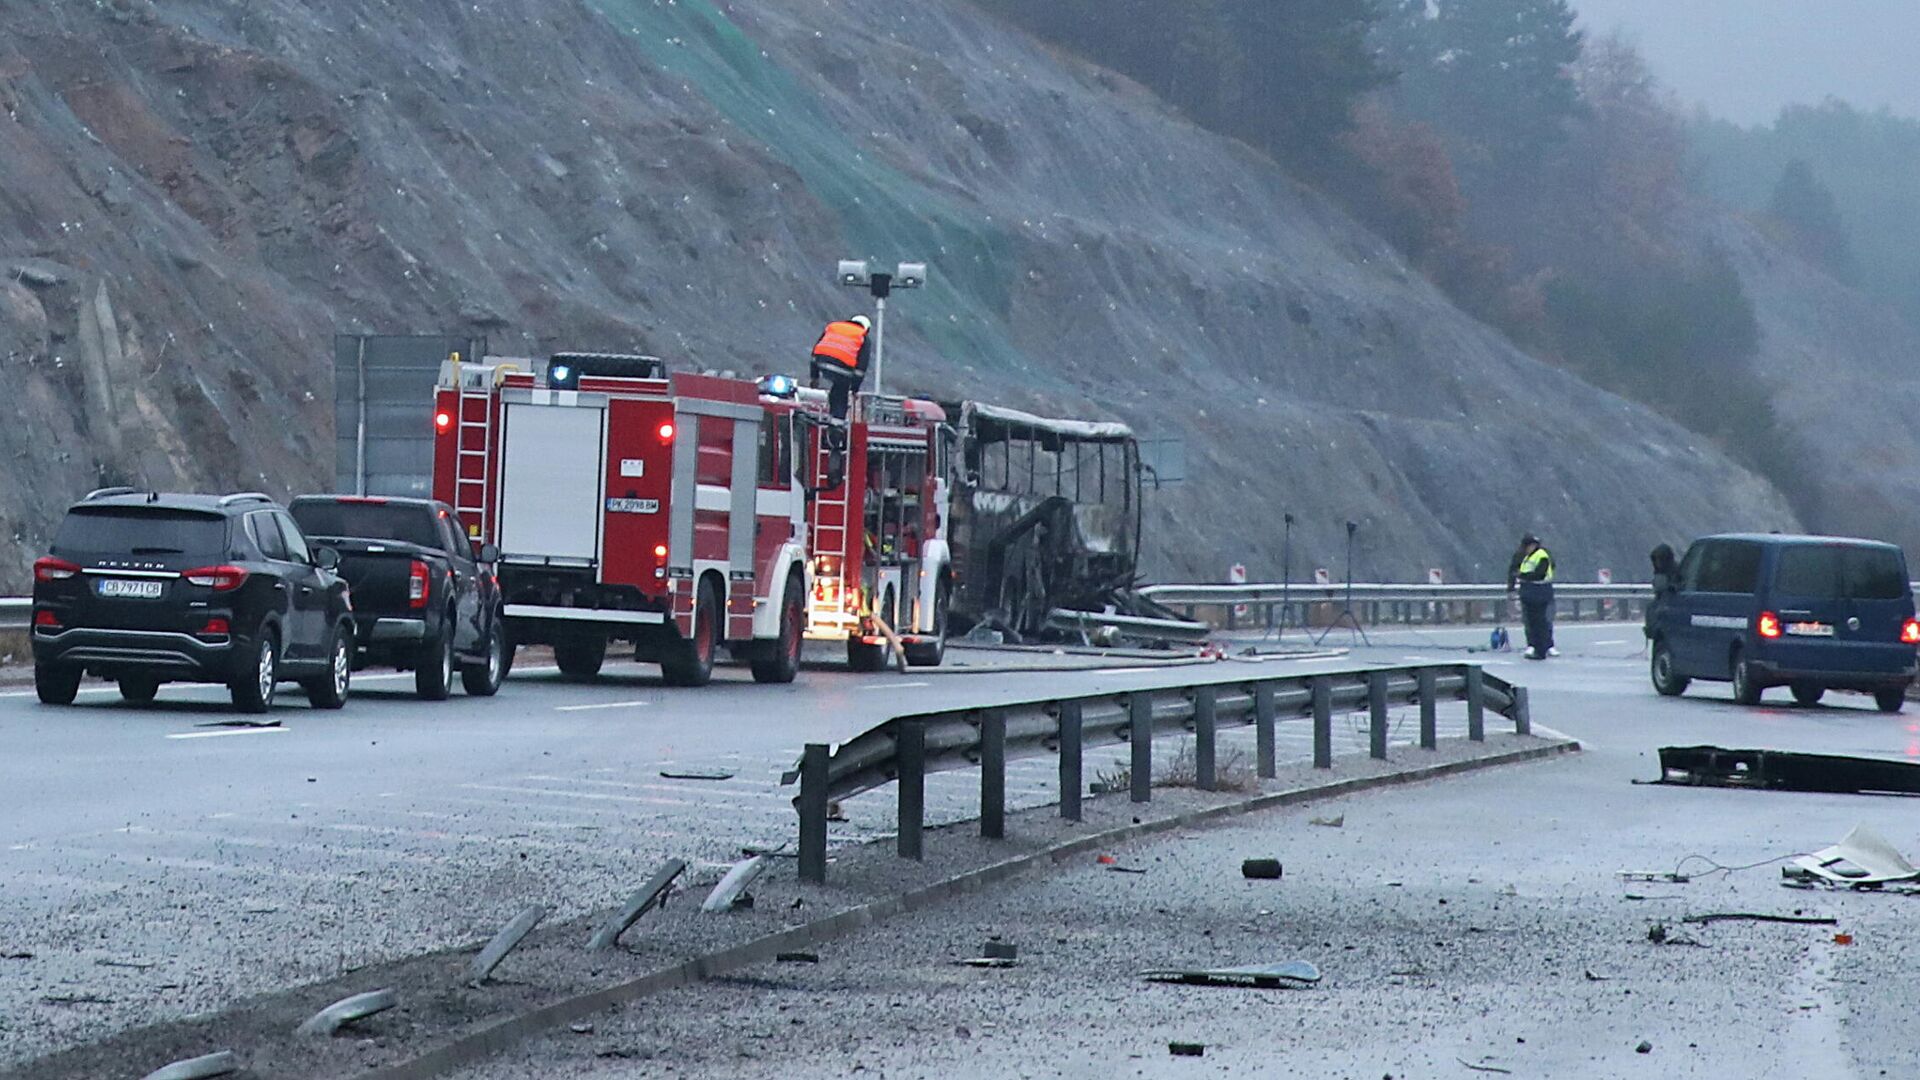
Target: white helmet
<point>864,322</point>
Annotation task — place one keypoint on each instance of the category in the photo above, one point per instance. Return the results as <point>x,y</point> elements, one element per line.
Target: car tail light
<point>442,422</point>
<point>1910,632</point>
<point>1768,625</point>
<point>417,587</point>
<point>45,620</point>
<point>216,627</point>
<point>52,569</point>
<point>217,578</point>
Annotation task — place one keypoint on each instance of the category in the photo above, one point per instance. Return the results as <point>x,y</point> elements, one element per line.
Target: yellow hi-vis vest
<point>1532,563</point>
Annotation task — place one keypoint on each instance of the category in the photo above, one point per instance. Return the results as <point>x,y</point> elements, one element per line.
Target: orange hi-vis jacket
<point>841,344</point>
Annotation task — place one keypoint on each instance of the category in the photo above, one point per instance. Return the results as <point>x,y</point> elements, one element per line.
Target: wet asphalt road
<point>1463,926</point>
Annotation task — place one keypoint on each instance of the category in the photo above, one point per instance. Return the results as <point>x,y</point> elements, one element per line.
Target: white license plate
<point>633,506</point>
<point>130,590</point>
<point>1810,629</point>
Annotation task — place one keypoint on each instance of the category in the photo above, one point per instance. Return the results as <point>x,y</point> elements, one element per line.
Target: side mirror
<point>489,553</point>
<point>327,558</point>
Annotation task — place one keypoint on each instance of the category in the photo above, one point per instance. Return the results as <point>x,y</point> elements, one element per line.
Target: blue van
<point>1812,613</point>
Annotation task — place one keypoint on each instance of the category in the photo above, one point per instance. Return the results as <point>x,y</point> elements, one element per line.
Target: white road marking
<point>1545,730</point>
<point>223,734</point>
<point>602,705</point>
<point>1616,641</point>
<point>895,686</point>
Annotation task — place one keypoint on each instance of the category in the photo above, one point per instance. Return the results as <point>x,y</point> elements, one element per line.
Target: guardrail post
<point>1263,730</point>
<point>1140,735</point>
<point>1522,712</point>
<point>813,813</point>
<point>1429,711</point>
<point>1377,715</point>
<point>1322,723</point>
<point>1204,701</point>
<point>911,755</point>
<point>1072,782</point>
<point>993,774</point>
<point>1476,704</point>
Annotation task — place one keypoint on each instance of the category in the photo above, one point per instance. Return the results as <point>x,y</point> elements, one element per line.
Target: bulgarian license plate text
<point>1810,629</point>
<point>130,590</point>
<point>633,506</point>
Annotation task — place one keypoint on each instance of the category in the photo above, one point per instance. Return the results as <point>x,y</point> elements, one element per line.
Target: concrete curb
<point>474,1048</point>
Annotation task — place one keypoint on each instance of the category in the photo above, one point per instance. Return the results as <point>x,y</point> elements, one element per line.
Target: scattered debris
<point>1118,869</point>
<point>1863,860</point>
<point>580,1027</point>
<point>503,943</point>
<point>1592,977</point>
<point>1105,860</point>
<point>218,1063</point>
<point>1290,973</point>
<point>1645,1047</point>
<point>1843,939</point>
<point>698,774</point>
<point>136,965</point>
<point>1752,916</point>
<point>16,956</point>
<point>988,962</point>
<point>1483,1068</point>
<point>76,999</point>
<point>651,895</point>
<point>1329,822</point>
<point>999,950</point>
<point>1657,933</point>
<point>834,812</point>
<point>1780,770</point>
<point>798,958</point>
<point>1262,869</point>
<point>1187,1049</point>
<point>1666,876</point>
<point>729,893</point>
<point>347,1010</point>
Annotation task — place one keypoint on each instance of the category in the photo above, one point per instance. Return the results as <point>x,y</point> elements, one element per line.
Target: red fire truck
<point>878,540</point>
<point>630,504</point>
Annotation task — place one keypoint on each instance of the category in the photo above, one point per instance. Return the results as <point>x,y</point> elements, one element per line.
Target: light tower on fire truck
<point>855,274</point>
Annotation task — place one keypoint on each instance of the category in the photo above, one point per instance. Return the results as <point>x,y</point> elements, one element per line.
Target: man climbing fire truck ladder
<point>630,505</point>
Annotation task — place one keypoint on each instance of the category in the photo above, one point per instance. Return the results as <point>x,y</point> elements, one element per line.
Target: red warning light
<point>666,431</point>
<point>442,421</point>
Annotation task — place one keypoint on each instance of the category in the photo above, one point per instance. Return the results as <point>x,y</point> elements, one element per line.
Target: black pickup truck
<point>423,598</point>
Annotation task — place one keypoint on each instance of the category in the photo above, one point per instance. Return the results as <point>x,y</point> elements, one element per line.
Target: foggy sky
<point>1744,59</point>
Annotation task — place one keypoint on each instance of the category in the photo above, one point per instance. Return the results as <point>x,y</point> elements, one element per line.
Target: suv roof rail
<point>106,492</point>
<point>245,496</point>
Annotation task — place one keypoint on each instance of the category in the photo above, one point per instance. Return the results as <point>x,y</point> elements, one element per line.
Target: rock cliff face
<point>194,196</point>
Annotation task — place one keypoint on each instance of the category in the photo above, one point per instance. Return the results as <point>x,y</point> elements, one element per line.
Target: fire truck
<point>630,504</point>
<point>877,539</point>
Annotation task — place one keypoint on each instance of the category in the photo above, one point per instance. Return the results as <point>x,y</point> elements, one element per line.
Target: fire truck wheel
<point>931,653</point>
<point>781,661</point>
<point>690,663</point>
<point>580,657</point>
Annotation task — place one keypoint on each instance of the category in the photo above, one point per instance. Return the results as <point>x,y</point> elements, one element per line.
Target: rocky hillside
<point>194,196</point>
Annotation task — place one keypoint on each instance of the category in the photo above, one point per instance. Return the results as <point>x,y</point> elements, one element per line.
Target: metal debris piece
<point>1781,770</point>
<point>1118,869</point>
<point>651,895</point>
<point>1863,860</point>
<point>347,1010</point>
<point>1645,1047</point>
<point>1664,876</point>
<point>1187,1049</point>
<point>1262,869</point>
<point>76,999</point>
<point>1290,973</point>
<point>1753,916</point>
<point>798,958</point>
<point>1329,822</point>
<point>698,774</point>
<point>1483,1068</point>
<point>1658,934</point>
<point>999,950</point>
<point>221,1063</point>
<point>988,962</point>
<point>580,1027</point>
<point>503,943</point>
<point>743,874</point>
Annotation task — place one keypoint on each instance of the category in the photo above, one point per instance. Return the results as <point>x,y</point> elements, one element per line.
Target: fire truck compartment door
<point>550,480</point>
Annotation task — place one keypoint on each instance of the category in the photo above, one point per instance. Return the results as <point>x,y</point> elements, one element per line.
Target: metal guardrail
<point>905,749</point>
<point>16,612</point>
<point>1277,604</point>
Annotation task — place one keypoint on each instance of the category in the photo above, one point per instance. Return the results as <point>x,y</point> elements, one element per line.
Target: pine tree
<point>1806,214</point>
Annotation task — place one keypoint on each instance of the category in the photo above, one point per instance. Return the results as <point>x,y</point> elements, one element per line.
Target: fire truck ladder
<point>831,536</point>
<point>471,437</point>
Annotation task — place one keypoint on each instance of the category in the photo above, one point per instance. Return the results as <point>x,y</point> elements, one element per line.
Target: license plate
<point>1809,629</point>
<point>633,506</point>
<point>130,590</point>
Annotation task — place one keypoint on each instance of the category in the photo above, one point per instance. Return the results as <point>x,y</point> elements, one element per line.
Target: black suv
<point>148,588</point>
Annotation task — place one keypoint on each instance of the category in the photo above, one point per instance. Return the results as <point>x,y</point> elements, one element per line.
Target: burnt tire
<point>780,663</point>
<point>56,685</point>
<point>580,657</point>
<point>690,662</point>
<point>329,690</point>
<point>484,679</point>
<point>433,668</point>
<point>1666,681</point>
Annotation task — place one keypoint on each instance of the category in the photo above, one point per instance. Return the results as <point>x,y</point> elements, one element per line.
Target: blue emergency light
<point>779,386</point>
<point>560,375</point>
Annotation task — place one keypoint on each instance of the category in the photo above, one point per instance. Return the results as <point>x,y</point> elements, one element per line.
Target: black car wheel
<point>1808,694</point>
<point>1666,681</point>
<point>1746,689</point>
<point>781,663</point>
<point>433,672</point>
<point>253,691</point>
<point>56,685</point>
<point>139,689</point>
<point>1891,700</point>
<point>690,663</point>
<point>483,680</point>
<point>329,691</point>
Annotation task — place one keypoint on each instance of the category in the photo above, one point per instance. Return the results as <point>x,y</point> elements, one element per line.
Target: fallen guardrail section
<point>1276,604</point>
<point>905,749</point>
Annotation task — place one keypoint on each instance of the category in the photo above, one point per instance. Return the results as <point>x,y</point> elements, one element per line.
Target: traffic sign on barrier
<point>1322,576</point>
<point>1434,577</point>
<point>1237,575</point>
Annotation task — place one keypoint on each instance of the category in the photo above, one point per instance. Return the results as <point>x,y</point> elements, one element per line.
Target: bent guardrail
<point>905,749</point>
<point>1294,604</point>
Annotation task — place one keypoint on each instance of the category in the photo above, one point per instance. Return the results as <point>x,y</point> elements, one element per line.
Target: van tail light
<point>1768,625</point>
<point>52,569</point>
<point>1910,632</point>
<point>45,620</point>
<point>216,627</point>
<point>417,586</point>
<point>217,578</point>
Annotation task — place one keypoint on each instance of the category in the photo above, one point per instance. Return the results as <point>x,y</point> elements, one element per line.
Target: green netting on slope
<point>883,212</point>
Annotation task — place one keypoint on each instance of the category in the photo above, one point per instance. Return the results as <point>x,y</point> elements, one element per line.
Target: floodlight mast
<point>856,274</point>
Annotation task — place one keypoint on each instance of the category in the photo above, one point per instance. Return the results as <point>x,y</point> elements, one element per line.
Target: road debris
<point>1843,939</point>
<point>1592,976</point>
<point>996,949</point>
<point>698,774</point>
<point>75,999</point>
<point>1118,869</point>
<point>504,942</point>
<point>1754,916</point>
<point>1659,935</point>
<point>347,1010</point>
<point>798,958</point>
<point>1663,876</point>
<point>1645,1047</point>
<point>136,965</point>
<point>1289,973</point>
<point>728,894</point>
<point>1337,822</point>
<point>988,962</point>
<point>651,895</point>
<point>1862,860</point>
<point>580,1027</point>
<point>16,956</point>
<point>1187,1049</point>
<point>1261,869</point>
<point>1483,1068</point>
<point>1780,770</point>
<point>219,1063</point>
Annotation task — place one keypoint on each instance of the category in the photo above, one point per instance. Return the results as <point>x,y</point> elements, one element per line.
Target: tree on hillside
<point>1807,219</point>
